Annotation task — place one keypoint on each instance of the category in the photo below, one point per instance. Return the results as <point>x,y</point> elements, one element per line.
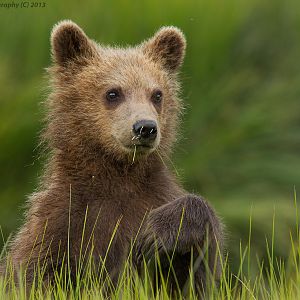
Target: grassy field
<point>275,278</point>
<point>240,140</point>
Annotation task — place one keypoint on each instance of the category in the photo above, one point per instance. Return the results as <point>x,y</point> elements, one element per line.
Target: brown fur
<point>91,164</point>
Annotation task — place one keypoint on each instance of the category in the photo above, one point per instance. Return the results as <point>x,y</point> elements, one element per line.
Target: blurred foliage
<point>241,84</point>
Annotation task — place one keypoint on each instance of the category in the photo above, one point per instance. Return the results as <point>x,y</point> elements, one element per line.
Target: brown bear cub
<point>112,118</point>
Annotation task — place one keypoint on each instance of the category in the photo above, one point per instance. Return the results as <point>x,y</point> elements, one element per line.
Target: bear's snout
<point>145,130</point>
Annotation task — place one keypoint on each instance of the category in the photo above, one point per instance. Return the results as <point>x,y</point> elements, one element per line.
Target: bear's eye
<point>113,95</point>
<point>157,96</point>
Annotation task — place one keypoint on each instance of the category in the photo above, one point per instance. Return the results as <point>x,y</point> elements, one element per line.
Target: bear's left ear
<point>69,43</point>
<point>167,47</point>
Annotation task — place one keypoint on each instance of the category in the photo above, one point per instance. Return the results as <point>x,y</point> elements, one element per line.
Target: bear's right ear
<point>69,43</point>
<point>167,47</point>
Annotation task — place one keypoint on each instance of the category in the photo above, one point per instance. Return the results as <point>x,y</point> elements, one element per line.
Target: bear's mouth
<point>140,147</point>
<point>137,146</point>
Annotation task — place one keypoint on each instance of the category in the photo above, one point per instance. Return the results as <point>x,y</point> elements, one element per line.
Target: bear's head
<point>121,101</point>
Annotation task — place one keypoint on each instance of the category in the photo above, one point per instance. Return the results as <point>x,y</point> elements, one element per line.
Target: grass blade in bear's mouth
<point>140,146</point>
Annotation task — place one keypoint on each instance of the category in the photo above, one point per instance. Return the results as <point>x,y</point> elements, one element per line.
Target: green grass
<point>241,85</point>
<point>275,278</point>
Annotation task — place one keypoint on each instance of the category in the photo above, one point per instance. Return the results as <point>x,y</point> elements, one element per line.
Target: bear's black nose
<point>145,129</point>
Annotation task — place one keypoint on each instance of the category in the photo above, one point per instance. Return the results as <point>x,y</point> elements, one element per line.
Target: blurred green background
<point>240,145</point>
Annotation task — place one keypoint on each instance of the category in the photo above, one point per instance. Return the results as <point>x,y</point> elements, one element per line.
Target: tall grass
<point>240,140</point>
<point>276,278</point>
